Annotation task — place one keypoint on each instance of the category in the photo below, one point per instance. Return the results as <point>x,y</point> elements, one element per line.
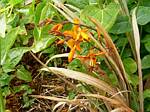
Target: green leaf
<point>13,58</point>
<point>146,39</point>
<point>15,2</point>
<point>5,79</point>
<point>43,43</point>
<point>6,91</point>
<point>20,88</point>
<point>130,65</point>
<point>134,80</point>
<point>23,74</point>
<point>3,25</point>
<point>47,12</point>
<point>143,15</point>
<point>106,16</point>
<point>122,41</point>
<point>146,62</point>
<point>7,42</point>
<point>122,25</point>
<point>78,3</point>
<point>38,11</point>
<point>146,93</point>
<point>77,66</point>
<point>147,46</point>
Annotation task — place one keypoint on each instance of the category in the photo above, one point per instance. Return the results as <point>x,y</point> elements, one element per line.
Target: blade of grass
<point>137,50</point>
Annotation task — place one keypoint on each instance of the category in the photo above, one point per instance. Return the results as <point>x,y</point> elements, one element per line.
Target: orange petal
<point>100,53</point>
<point>71,54</point>
<point>78,47</point>
<point>84,36</point>
<point>57,27</point>
<point>60,42</point>
<point>76,26</point>
<point>76,21</point>
<point>71,43</point>
<point>68,33</point>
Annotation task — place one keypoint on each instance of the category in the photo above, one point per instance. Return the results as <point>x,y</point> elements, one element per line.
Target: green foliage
<point>122,25</point>
<point>143,15</point>
<point>23,74</point>
<point>106,16</point>
<point>130,65</point>
<point>15,2</point>
<point>78,3</point>
<point>77,66</point>
<point>146,62</point>
<point>7,43</point>
<point>13,58</point>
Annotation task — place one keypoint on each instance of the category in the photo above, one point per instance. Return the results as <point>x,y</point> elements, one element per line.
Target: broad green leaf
<point>77,66</point>
<point>3,25</point>
<point>47,12</point>
<point>106,16</point>
<point>23,74</point>
<point>130,65</point>
<point>78,3</point>
<point>143,15</point>
<point>15,2</point>
<point>6,91</point>
<point>133,79</point>
<point>5,79</point>
<point>146,62</point>
<point>36,34</point>
<point>122,41</point>
<point>38,11</point>
<point>42,43</point>
<point>145,3</point>
<point>20,88</point>
<point>7,42</point>
<point>146,39</point>
<point>146,28</point>
<point>122,25</point>
<point>147,93</point>
<point>13,58</point>
<point>147,46</point>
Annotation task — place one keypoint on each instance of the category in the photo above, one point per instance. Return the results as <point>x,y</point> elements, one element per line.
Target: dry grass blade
<point>63,13</point>
<point>57,56</point>
<point>87,79</point>
<point>113,53</point>
<point>137,47</point>
<point>74,101</point>
<point>58,105</point>
<point>113,102</point>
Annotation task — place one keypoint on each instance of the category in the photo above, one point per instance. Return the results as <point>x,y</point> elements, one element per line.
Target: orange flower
<point>91,57</point>
<point>71,54</point>
<point>56,30</point>
<point>57,27</point>
<point>73,45</point>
